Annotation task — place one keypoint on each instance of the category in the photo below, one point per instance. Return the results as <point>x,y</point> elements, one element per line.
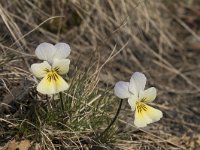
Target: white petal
<point>61,65</point>
<point>132,88</point>
<point>148,95</point>
<point>40,69</point>
<point>132,101</point>
<point>146,116</point>
<point>45,51</point>
<point>137,83</point>
<point>63,50</point>
<point>154,114</point>
<point>141,120</point>
<point>121,89</point>
<point>47,86</point>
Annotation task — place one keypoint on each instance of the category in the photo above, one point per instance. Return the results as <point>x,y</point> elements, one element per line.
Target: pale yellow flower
<point>52,67</point>
<point>138,98</point>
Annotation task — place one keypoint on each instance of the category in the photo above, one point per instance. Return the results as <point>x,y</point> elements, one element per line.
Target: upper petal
<point>45,51</point>
<point>132,101</point>
<point>121,89</point>
<point>137,83</point>
<point>61,65</point>
<point>63,50</point>
<point>148,95</point>
<point>40,69</point>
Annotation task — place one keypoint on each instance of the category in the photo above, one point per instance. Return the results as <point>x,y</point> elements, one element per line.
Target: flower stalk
<point>61,101</point>
<point>113,120</point>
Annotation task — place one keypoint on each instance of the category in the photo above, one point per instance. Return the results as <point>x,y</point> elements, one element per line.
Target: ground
<point>158,38</point>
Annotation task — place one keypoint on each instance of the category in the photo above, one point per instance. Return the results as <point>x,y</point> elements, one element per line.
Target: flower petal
<point>45,51</point>
<point>141,119</point>
<point>154,114</point>
<point>137,83</point>
<point>61,65</point>
<point>121,89</point>
<point>63,50</point>
<point>53,85</point>
<point>132,101</point>
<point>148,95</point>
<point>145,114</point>
<point>40,69</point>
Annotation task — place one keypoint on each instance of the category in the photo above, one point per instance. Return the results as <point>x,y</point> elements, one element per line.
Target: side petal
<point>145,115</point>
<point>52,86</point>
<point>45,51</point>
<point>63,50</point>
<point>40,69</point>
<point>61,65</point>
<point>148,95</point>
<point>121,89</point>
<point>132,101</point>
<point>137,82</point>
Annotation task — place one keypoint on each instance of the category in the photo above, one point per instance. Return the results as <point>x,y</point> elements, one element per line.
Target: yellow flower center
<point>140,106</point>
<point>52,75</point>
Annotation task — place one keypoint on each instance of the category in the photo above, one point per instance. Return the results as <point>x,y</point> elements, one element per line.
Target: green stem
<point>62,102</point>
<point>114,119</point>
<point>48,103</point>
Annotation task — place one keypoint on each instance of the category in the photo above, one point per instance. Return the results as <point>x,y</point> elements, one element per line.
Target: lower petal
<point>141,120</point>
<point>145,115</point>
<point>47,86</point>
<point>61,85</point>
<point>154,114</point>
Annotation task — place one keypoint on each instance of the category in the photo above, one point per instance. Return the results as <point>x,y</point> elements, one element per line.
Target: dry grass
<point>158,38</point>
